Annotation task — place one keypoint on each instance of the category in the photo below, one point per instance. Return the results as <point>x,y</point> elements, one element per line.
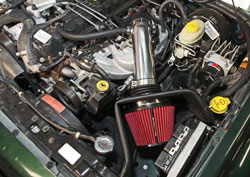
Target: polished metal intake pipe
<point>144,61</point>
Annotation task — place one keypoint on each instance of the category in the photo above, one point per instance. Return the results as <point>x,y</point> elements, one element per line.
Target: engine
<point>111,86</point>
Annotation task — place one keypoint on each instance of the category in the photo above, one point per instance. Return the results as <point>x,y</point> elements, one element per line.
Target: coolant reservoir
<point>192,32</point>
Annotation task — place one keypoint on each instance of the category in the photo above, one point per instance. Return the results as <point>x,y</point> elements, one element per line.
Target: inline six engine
<point>105,88</point>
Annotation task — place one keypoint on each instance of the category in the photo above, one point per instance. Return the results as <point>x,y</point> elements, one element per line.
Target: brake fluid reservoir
<point>192,32</point>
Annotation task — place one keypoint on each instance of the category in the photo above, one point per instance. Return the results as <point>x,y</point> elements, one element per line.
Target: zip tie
<point>77,135</point>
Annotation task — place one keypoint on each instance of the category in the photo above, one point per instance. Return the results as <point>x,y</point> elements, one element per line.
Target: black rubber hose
<point>222,81</point>
<point>14,5</point>
<point>211,87</point>
<point>17,15</point>
<point>164,74</point>
<point>94,68</point>
<point>100,71</point>
<point>53,65</point>
<point>197,106</point>
<point>80,65</point>
<point>96,35</point>
<point>164,5</point>
<point>191,75</point>
<point>244,21</point>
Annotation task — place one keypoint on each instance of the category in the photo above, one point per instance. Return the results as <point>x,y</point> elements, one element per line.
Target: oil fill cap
<point>102,85</point>
<point>219,105</point>
<point>192,27</point>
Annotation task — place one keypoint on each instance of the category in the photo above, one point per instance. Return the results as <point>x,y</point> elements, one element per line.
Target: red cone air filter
<point>151,126</point>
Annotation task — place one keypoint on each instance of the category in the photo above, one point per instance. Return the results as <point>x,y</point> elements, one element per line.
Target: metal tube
<point>152,2</point>
<point>144,62</point>
<point>85,18</point>
<point>98,13</point>
<point>86,10</point>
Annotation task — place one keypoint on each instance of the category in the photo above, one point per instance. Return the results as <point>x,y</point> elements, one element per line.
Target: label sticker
<point>53,103</point>
<point>42,36</point>
<point>69,153</point>
<point>214,65</point>
<point>243,65</point>
<point>211,31</point>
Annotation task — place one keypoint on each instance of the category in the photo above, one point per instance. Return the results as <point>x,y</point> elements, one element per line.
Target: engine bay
<point>121,88</point>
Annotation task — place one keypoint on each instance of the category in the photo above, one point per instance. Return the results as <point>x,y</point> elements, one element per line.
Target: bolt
<point>42,60</point>
<point>34,118</point>
<point>145,167</point>
<point>49,165</point>
<point>104,143</point>
<point>15,132</point>
<point>60,54</point>
<point>217,139</point>
<point>51,140</point>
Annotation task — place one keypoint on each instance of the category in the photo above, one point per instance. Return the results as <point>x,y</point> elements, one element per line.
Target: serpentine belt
<point>74,99</point>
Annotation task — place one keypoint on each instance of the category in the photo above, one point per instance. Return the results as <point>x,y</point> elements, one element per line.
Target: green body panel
<point>226,150</point>
<point>16,160</point>
<point>242,163</point>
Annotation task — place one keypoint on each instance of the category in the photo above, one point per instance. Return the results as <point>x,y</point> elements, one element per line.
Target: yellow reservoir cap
<point>192,27</point>
<point>102,85</point>
<point>219,105</point>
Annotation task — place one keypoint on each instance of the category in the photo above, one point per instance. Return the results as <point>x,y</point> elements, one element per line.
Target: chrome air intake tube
<point>150,120</point>
<point>145,78</point>
<point>144,62</point>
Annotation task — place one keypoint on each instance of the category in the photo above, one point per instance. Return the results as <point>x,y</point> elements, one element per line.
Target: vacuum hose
<point>91,36</point>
